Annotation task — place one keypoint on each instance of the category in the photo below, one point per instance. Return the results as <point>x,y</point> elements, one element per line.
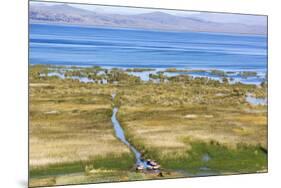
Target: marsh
<point>176,123</point>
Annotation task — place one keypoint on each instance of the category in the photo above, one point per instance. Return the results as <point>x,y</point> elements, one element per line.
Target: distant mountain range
<point>65,14</point>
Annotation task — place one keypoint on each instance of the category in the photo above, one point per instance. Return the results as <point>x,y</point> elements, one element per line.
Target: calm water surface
<point>126,48</point>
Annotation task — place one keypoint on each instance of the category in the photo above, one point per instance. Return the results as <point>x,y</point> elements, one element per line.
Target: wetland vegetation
<point>191,126</point>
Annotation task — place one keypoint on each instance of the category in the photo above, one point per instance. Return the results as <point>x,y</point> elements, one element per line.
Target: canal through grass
<point>121,136</point>
<point>141,164</point>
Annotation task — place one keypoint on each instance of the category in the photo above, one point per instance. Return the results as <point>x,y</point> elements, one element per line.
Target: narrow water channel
<point>120,134</point>
<point>141,164</point>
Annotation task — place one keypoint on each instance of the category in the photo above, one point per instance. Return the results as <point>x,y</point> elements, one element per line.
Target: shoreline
<point>249,77</point>
<point>157,68</point>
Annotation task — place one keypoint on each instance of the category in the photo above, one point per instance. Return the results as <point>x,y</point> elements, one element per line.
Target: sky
<point>206,16</point>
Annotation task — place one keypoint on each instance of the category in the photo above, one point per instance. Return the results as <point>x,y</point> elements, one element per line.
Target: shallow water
<point>144,76</point>
<point>233,78</point>
<point>60,75</point>
<point>120,135</point>
<point>256,101</point>
<point>206,157</point>
<point>81,79</point>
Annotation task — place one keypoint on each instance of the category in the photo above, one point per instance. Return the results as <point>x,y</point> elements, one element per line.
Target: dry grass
<point>174,112</point>
<point>69,124</point>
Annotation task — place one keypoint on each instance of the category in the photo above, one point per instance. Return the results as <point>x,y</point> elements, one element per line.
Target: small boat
<point>156,167</point>
<point>149,167</point>
<point>153,163</point>
<point>139,167</point>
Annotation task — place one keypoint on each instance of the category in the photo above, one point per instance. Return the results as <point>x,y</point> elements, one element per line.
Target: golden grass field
<point>173,112</point>
<point>69,125</point>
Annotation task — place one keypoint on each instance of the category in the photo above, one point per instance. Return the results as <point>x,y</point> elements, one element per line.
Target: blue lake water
<point>125,48</point>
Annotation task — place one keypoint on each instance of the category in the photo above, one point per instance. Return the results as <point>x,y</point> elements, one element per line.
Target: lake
<point>126,48</point>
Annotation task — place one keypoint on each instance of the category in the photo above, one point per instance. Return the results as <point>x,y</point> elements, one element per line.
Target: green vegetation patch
<point>139,69</point>
<point>57,169</point>
<point>109,162</point>
<point>218,158</point>
<point>113,162</point>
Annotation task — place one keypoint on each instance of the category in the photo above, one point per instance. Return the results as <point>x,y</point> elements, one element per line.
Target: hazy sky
<point>213,17</point>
